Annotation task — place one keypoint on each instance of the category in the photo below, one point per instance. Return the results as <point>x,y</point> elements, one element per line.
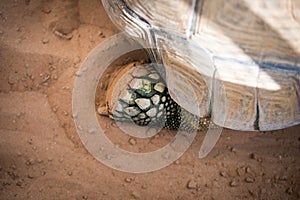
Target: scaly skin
<point>149,103</point>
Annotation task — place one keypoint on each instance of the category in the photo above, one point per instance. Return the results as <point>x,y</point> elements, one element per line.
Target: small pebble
<point>135,195</point>
<point>70,173</point>
<point>128,180</point>
<point>54,109</point>
<point>263,191</point>
<point>233,183</point>
<point>63,36</point>
<point>19,183</point>
<point>248,170</point>
<point>289,191</point>
<point>249,180</point>
<point>253,156</point>
<point>30,162</point>
<point>105,193</point>
<point>77,60</point>
<point>45,41</point>
<point>132,141</point>
<point>54,77</point>
<point>268,180</point>
<point>101,34</point>
<point>102,110</point>
<point>30,176</point>
<point>85,197</point>
<point>66,60</point>
<point>144,186</point>
<point>46,10</point>
<point>252,193</point>
<point>191,184</point>
<point>232,149</point>
<point>223,174</point>
<point>240,171</point>
<point>283,178</point>
<point>13,166</point>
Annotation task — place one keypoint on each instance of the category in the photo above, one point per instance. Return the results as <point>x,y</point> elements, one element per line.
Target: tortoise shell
<point>242,58</point>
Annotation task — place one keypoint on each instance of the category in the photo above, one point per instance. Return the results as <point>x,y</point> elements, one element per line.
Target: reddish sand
<point>42,44</point>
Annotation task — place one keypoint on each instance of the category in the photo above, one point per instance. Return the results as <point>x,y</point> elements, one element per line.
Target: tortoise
<point>240,58</point>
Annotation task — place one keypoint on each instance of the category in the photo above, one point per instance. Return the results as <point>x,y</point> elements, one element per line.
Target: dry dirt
<point>42,44</point>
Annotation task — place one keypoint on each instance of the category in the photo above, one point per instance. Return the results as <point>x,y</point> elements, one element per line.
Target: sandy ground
<point>42,44</point>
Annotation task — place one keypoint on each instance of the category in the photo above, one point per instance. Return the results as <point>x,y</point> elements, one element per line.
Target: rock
<point>253,156</point>
<point>55,77</point>
<point>77,60</point>
<point>30,141</point>
<point>232,149</point>
<point>223,174</point>
<point>13,167</point>
<point>30,162</point>
<point>19,183</point>
<point>102,110</point>
<point>233,183</point>
<point>132,141</point>
<point>45,41</point>
<point>30,176</point>
<point>46,10</point>
<point>289,190</point>
<point>253,193</point>
<point>249,180</point>
<point>128,180</point>
<point>240,171</point>
<point>65,113</point>
<point>248,170</point>
<point>68,36</point>
<point>283,178</point>
<point>263,191</point>
<point>135,195</point>
<point>144,186</point>
<point>70,173</point>
<point>101,34</point>
<point>11,80</point>
<point>191,184</point>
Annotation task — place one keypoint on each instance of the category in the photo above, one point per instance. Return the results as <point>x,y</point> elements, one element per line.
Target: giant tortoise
<point>253,47</point>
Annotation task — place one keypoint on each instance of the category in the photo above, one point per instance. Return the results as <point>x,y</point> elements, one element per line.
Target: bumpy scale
<point>148,102</point>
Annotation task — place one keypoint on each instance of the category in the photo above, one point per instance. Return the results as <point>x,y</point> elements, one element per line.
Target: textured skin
<point>149,103</point>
